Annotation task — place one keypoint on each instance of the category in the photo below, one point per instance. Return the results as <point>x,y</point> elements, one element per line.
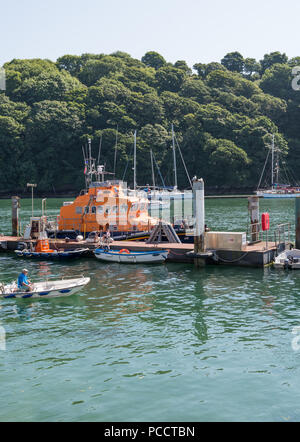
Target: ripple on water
<point>154,343</point>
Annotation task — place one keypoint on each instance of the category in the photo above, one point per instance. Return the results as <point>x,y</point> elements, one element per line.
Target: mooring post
<point>253,207</point>
<point>199,237</point>
<point>15,205</point>
<point>297,221</point>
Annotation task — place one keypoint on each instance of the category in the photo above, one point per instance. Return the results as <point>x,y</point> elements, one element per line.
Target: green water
<point>157,343</point>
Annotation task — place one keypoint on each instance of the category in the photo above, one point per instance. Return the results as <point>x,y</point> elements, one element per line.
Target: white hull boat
<point>125,256</point>
<point>155,204</point>
<point>46,289</point>
<point>274,194</point>
<point>289,259</point>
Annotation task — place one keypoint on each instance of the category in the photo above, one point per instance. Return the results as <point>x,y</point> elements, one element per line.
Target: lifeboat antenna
<point>99,153</point>
<point>115,158</point>
<point>134,162</point>
<point>174,158</point>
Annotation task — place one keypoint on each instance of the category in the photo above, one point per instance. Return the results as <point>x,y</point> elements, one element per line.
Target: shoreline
<point>209,194</point>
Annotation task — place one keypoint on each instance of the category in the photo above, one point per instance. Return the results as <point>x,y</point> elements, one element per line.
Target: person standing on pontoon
<point>23,281</point>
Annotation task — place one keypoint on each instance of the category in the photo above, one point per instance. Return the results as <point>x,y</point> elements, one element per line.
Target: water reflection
<point>120,290</point>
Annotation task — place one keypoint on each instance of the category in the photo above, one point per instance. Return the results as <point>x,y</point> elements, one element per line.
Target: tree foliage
<point>224,115</point>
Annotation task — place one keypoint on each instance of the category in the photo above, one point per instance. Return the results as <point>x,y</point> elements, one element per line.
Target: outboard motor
<point>286,264</point>
<point>22,246</point>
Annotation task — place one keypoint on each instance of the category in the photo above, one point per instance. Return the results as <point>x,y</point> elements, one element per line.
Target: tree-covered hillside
<point>224,115</point>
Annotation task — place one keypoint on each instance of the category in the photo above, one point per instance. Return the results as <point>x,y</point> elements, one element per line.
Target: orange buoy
<point>124,251</point>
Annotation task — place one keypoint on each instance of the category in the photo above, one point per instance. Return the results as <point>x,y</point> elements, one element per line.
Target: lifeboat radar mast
<point>91,170</point>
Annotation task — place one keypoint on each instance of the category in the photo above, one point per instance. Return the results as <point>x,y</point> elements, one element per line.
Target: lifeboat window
<point>100,209</point>
<point>123,208</point>
<point>115,209</point>
<point>134,206</point>
<point>107,210</point>
<point>93,209</point>
<point>86,209</point>
<point>78,210</point>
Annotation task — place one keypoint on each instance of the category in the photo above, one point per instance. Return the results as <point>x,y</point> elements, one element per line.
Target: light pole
<point>32,186</point>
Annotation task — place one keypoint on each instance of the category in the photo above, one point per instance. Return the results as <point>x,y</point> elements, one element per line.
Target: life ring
<point>124,251</point>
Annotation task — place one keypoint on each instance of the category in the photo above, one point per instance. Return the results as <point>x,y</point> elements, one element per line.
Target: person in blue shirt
<point>23,282</point>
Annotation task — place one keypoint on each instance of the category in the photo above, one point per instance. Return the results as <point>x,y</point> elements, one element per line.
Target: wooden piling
<point>15,205</point>
<point>253,208</point>
<point>297,222</point>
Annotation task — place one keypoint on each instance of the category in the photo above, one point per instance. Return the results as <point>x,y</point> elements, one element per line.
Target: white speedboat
<point>46,289</point>
<point>125,256</point>
<point>289,259</point>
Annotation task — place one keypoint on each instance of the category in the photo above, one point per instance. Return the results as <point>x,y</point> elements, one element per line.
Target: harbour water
<point>154,343</point>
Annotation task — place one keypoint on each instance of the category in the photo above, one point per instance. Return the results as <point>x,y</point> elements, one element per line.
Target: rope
<point>234,260</point>
<point>163,183</point>
<point>263,170</point>
<point>125,171</point>
<point>186,171</point>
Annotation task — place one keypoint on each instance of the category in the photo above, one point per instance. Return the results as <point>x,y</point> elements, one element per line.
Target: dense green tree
<point>224,115</point>
<point>233,61</point>
<point>47,86</point>
<point>93,70</point>
<point>153,60</point>
<point>277,81</point>
<point>13,155</point>
<point>196,90</point>
<point>204,69</point>
<point>228,162</point>
<point>53,132</point>
<point>251,67</point>
<point>271,59</point>
<point>181,64</point>
<point>231,82</point>
<point>170,78</point>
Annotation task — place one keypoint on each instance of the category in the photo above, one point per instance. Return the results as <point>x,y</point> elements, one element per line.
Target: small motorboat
<point>46,289</point>
<point>289,259</point>
<point>126,256</point>
<point>43,251</point>
<point>54,254</point>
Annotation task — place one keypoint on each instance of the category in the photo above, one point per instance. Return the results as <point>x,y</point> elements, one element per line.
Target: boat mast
<point>99,152</point>
<point>152,168</point>
<point>277,166</point>
<point>134,162</point>
<point>115,158</point>
<point>90,154</point>
<point>272,178</point>
<point>174,158</point>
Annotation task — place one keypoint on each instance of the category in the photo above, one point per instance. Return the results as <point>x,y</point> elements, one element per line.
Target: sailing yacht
<point>277,190</point>
<point>169,193</point>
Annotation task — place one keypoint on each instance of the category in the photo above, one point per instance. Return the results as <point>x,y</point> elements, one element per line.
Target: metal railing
<point>282,234</point>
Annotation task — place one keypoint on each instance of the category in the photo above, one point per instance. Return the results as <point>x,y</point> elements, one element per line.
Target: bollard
<point>199,237</point>
<point>15,205</point>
